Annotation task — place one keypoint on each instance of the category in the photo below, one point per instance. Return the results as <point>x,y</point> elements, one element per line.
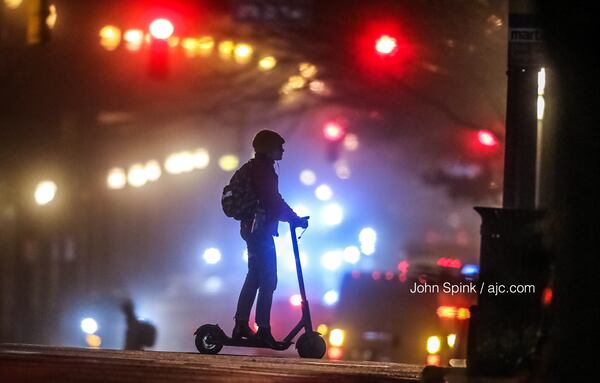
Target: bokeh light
<point>45,192</point>
<point>89,326</point>
<point>116,179</point>
<point>308,177</point>
<point>267,63</point>
<point>332,214</point>
<point>229,162</point>
<point>110,37</point>
<point>332,260</point>
<point>136,175</point>
<point>212,256</point>
<point>323,192</point>
<point>331,297</point>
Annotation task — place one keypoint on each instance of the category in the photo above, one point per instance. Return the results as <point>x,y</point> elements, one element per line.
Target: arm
<point>267,191</point>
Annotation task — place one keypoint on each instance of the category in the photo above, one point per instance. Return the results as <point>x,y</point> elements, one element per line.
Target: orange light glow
<point>452,312</point>
<point>110,37</point>
<point>134,39</point>
<point>463,313</point>
<point>433,360</point>
<point>335,353</point>
<point>447,312</point>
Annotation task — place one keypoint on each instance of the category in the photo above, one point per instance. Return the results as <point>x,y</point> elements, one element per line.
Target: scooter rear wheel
<point>311,345</point>
<point>204,334</point>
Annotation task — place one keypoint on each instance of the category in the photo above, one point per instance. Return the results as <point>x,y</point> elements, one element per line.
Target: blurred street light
<point>226,49</point>
<point>45,192</point>
<point>200,158</point>
<point>206,45</point>
<point>13,4</point>
<point>133,39</point>
<point>308,70</point>
<point>337,337</point>
<point>89,326</point>
<point>116,179</point>
<point>161,29</point>
<point>243,53</point>
<point>229,162</point>
<point>308,177</point>
<point>110,37</point>
<point>152,170</point>
<point>136,176</point>
<point>267,63</point>
<point>212,256</point>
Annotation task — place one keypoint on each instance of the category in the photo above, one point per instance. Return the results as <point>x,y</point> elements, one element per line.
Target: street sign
<point>525,42</point>
<point>273,11</point>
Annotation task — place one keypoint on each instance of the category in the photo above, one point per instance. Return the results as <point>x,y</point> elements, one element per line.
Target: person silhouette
<point>139,334</point>
<point>258,233</point>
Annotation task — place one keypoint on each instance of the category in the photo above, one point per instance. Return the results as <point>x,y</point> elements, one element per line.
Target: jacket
<point>265,183</point>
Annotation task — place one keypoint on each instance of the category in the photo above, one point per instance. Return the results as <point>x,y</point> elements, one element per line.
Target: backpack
<point>239,201</point>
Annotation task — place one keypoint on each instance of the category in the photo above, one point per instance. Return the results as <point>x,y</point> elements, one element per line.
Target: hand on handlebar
<point>302,222</point>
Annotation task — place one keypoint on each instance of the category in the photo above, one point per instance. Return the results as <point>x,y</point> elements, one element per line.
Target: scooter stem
<point>305,308</point>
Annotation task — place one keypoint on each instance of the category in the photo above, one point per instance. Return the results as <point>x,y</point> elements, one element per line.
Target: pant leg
<point>251,283</point>
<point>267,280</point>
<point>248,292</point>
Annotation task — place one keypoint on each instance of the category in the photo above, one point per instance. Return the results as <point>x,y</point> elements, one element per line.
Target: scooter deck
<point>227,341</point>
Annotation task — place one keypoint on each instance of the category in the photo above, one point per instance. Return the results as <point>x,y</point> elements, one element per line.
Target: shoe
<point>242,330</point>
<point>264,335</point>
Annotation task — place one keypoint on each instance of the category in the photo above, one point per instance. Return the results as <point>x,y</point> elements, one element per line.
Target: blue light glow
<point>213,285</point>
<point>308,177</point>
<point>367,236</point>
<point>331,297</point>
<point>470,269</point>
<point>351,254</point>
<point>212,256</point>
<point>89,326</point>
<point>323,192</point>
<point>332,260</point>
<point>332,214</point>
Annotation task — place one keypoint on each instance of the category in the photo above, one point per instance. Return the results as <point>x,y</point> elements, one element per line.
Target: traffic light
<point>383,48</point>
<point>386,45</point>
<point>334,133</point>
<point>160,31</point>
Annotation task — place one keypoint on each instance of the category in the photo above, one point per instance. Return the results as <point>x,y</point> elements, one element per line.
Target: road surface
<point>34,363</point>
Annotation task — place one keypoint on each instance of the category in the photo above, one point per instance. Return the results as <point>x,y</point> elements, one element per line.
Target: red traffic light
<point>487,138</point>
<point>333,131</point>
<point>386,45</point>
<point>161,29</point>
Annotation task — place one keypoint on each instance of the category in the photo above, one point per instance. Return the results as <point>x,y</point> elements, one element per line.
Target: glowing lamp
<point>161,29</point>
<point>333,131</point>
<point>487,138</point>
<point>386,45</point>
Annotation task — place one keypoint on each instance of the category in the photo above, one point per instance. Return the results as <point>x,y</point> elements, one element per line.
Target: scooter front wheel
<point>205,336</point>
<point>311,345</point>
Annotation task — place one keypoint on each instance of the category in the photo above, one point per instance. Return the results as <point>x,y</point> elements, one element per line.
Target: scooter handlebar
<point>300,222</point>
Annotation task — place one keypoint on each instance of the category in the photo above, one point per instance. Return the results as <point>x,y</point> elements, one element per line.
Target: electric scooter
<point>210,338</point>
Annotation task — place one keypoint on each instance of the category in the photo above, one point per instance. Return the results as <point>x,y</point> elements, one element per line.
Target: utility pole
<point>525,58</point>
